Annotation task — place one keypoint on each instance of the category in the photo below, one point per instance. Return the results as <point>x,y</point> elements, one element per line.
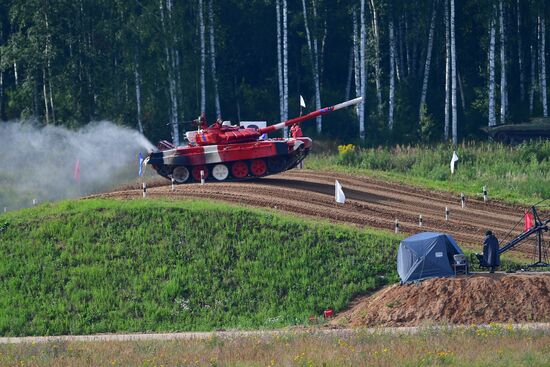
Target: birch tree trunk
<point>453,75</point>
<point>532,83</point>
<point>138,95</point>
<point>313,52</point>
<point>447,72</point>
<point>363,70</point>
<point>280,60</point>
<point>520,55</point>
<point>422,108</point>
<point>213,59</point>
<point>392,77</point>
<point>203,59</point>
<point>15,76</point>
<point>503,63</point>
<point>350,72</point>
<point>400,63</point>
<point>491,84</point>
<point>170,67</point>
<point>285,65</point>
<point>542,73</point>
<point>377,71</point>
<point>356,63</point>
<point>46,108</point>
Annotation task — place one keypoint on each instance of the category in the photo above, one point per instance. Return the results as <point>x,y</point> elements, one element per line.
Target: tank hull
<point>230,162</point>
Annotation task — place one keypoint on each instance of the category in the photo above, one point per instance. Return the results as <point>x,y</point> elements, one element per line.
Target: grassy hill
<point>92,266</point>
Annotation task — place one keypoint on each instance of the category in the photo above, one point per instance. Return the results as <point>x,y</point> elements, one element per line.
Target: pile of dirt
<point>471,299</point>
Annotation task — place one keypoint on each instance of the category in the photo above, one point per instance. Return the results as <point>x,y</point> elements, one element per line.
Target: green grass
<point>518,174</point>
<point>93,266</point>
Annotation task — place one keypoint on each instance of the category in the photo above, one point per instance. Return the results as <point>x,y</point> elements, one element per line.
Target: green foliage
<point>515,173</point>
<point>107,266</point>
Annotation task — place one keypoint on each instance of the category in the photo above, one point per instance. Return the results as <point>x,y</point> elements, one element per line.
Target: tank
<point>536,128</point>
<point>223,152</point>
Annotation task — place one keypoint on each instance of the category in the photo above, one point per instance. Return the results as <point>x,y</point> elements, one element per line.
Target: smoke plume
<point>41,162</point>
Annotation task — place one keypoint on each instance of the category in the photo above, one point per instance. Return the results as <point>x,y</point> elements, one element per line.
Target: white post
<point>144,190</point>
<point>485,197</point>
<point>446,214</point>
<point>5,209</point>
<point>462,200</point>
<point>396,225</point>
<point>202,177</point>
<point>173,185</point>
<point>33,202</point>
<point>420,220</point>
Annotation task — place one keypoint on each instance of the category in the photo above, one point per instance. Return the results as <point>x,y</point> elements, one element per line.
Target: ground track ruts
<point>369,202</point>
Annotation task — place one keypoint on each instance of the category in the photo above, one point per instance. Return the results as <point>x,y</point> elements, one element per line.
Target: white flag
<point>453,161</point>
<point>302,102</point>
<point>338,193</point>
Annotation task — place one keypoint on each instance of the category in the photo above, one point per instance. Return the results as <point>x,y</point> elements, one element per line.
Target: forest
<point>429,70</point>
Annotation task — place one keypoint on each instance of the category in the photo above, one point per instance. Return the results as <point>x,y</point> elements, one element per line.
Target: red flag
<point>528,221</point>
<point>76,172</point>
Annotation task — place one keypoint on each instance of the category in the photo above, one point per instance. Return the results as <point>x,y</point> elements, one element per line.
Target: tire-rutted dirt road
<point>369,202</point>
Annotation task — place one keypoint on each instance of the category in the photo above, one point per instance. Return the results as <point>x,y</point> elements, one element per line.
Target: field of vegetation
<point>95,266</point>
<point>495,345</point>
<point>519,173</point>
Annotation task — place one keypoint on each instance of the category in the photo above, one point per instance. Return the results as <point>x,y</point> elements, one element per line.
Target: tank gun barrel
<point>309,116</point>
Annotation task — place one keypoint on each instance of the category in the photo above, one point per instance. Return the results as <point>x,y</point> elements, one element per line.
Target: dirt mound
<point>473,299</point>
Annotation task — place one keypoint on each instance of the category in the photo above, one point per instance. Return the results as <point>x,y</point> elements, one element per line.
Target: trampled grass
<point>518,173</point>
<point>95,266</point>
<point>469,346</point>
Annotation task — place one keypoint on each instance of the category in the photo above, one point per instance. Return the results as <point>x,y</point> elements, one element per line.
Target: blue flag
<point>140,172</point>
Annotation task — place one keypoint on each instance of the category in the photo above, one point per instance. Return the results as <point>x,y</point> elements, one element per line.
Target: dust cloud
<point>39,163</point>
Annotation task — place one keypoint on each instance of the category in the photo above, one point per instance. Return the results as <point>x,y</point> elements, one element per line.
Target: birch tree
<point>356,63</point>
<point>377,71</point>
<point>285,64</point>
<point>392,76</point>
<point>447,71</point>
<point>137,80</point>
<point>453,75</point>
<point>363,70</point>
<point>282,60</point>
<point>168,43</point>
<point>203,58</point>
<point>532,83</point>
<point>520,53</point>
<point>312,41</point>
<point>491,59</point>
<point>503,62</point>
<point>542,67</point>
<point>422,108</point>
<point>213,59</point>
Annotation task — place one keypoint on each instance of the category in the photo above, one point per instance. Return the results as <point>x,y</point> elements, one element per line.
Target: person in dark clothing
<point>491,257</point>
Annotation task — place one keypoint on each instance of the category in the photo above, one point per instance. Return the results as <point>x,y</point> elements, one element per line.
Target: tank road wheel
<point>276,164</point>
<point>258,167</point>
<point>220,172</point>
<point>239,169</point>
<point>180,174</point>
<point>197,173</point>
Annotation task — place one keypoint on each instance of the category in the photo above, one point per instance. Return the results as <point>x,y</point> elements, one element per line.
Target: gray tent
<point>426,255</point>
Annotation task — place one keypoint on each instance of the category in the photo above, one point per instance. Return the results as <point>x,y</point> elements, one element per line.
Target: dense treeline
<point>430,70</point>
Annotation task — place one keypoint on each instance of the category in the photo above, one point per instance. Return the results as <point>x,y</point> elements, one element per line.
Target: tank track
<point>274,166</point>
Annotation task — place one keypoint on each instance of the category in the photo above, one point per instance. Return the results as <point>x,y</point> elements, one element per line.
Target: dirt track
<point>370,202</point>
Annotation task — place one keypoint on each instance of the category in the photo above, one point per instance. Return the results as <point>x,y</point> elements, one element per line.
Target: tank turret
<point>222,152</point>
